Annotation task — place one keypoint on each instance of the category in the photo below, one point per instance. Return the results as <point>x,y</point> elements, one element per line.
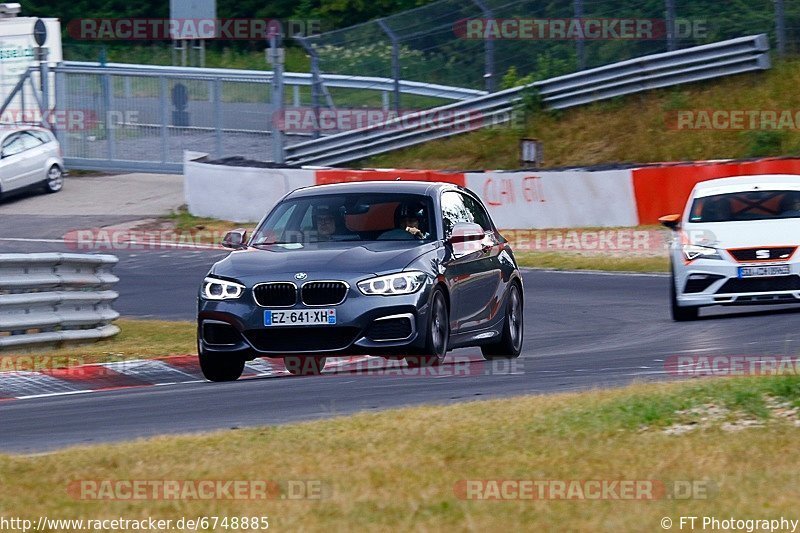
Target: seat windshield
<point>355,217</point>
<point>750,205</point>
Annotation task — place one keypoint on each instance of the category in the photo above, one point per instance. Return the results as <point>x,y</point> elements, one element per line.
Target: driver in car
<point>409,218</point>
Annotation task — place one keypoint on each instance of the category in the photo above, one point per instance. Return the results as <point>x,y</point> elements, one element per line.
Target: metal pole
<point>395,62</point>
<point>164,118</point>
<point>44,72</point>
<point>316,82</point>
<point>108,99</point>
<point>58,102</point>
<point>580,44</point>
<point>218,114</point>
<point>276,51</point>
<point>780,27</point>
<point>488,50</point>
<point>672,42</point>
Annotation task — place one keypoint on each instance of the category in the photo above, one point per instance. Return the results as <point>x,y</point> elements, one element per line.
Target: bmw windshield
<point>743,206</point>
<point>349,218</point>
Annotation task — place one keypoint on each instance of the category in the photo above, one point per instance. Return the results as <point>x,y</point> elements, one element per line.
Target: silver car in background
<point>30,156</point>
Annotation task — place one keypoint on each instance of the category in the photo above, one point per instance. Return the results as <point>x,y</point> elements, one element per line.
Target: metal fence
<point>56,297</point>
<point>726,58</point>
<point>435,42</point>
<point>137,117</point>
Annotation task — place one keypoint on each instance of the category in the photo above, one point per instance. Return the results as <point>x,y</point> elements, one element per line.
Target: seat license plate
<point>300,317</point>
<point>764,271</point>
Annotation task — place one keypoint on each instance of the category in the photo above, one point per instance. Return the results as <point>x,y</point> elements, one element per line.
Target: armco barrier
<point>516,200</point>
<point>56,297</point>
<point>725,58</point>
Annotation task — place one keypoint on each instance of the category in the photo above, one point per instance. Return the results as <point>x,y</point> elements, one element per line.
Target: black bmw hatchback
<point>397,269</point>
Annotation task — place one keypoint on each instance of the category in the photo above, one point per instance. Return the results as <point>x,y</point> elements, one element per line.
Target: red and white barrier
<point>518,200</point>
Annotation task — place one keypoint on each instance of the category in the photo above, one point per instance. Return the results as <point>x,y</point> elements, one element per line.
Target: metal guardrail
<point>56,297</point>
<point>699,63</point>
<point>301,79</point>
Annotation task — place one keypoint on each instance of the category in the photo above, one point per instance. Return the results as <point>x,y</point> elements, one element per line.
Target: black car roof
<point>401,187</point>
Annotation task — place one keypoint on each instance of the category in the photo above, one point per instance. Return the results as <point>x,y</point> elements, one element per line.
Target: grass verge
<point>138,339</point>
<point>186,222</point>
<point>638,128</point>
<point>571,261</point>
<point>398,470</point>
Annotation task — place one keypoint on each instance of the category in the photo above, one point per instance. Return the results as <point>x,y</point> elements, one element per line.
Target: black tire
<point>680,314</point>
<point>220,367</point>
<point>510,344</point>
<point>437,336</point>
<point>55,179</point>
<point>305,366</point>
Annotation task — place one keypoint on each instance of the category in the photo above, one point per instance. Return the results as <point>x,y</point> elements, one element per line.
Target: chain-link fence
<point>491,44</point>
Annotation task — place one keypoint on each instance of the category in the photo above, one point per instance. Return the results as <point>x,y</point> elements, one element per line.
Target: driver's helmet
<point>410,210</point>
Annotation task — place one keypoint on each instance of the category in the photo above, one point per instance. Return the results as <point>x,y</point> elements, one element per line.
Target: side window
<point>307,223</point>
<point>42,136</point>
<point>30,141</point>
<point>454,211</point>
<point>283,220</point>
<point>13,145</point>
<point>479,214</point>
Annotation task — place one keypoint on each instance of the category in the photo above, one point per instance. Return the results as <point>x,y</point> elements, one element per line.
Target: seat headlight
<point>694,251</point>
<point>402,283</point>
<point>220,289</point>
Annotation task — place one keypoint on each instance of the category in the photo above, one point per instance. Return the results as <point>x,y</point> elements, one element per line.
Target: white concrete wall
<point>561,199</point>
<point>241,194</point>
<point>516,200</point>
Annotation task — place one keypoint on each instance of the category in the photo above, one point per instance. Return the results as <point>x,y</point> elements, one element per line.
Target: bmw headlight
<point>402,283</point>
<point>694,251</point>
<point>220,289</point>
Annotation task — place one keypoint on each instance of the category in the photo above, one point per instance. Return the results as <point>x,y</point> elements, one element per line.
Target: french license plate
<point>764,271</point>
<point>300,317</point>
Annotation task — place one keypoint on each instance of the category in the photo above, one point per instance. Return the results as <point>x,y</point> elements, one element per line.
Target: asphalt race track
<point>583,330</point>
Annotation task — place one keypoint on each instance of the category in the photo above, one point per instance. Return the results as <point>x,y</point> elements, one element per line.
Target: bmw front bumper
<point>375,325</point>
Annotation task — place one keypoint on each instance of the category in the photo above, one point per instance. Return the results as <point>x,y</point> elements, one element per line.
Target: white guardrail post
<point>726,58</point>
<point>56,297</point>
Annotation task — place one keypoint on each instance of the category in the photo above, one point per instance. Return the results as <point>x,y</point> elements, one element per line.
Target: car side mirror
<point>466,232</point>
<point>670,221</point>
<point>466,238</point>
<point>235,239</point>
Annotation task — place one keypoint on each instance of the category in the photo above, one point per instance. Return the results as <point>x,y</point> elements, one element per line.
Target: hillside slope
<point>637,128</point>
